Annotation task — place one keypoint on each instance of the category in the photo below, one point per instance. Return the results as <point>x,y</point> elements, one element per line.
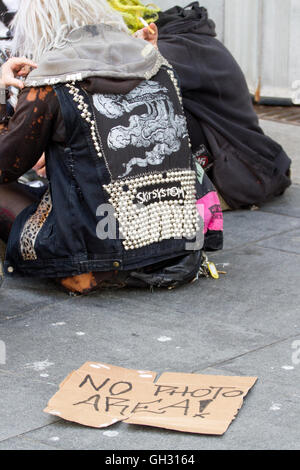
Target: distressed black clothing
<point>249,167</point>
<point>27,134</point>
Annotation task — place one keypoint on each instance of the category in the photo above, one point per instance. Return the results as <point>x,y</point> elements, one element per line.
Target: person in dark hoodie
<point>246,166</point>
<point>105,107</point>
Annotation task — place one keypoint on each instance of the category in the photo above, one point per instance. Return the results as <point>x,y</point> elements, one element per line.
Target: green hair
<point>131,10</point>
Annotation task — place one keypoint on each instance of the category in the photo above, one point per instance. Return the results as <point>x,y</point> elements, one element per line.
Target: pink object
<point>209,208</point>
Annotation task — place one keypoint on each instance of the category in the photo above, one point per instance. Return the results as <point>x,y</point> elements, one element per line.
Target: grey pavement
<point>246,323</point>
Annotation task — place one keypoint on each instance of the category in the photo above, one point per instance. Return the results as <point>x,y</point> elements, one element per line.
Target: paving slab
<point>272,411</point>
<point>289,242</point>
<point>21,405</point>
<point>244,226</point>
<point>22,295</point>
<point>287,204</point>
<point>19,443</point>
<point>204,324</point>
<point>258,295</point>
<point>127,334</point>
<point>265,420</point>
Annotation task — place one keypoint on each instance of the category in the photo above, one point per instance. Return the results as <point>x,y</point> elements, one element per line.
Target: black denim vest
<point>122,190</point>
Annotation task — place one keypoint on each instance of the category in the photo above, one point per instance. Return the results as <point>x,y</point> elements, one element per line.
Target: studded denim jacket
<point>122,190</point>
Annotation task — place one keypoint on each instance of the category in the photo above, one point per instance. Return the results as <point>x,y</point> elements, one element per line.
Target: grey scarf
<point>97,51</point>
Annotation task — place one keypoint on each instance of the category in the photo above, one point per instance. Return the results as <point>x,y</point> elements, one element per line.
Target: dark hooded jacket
<point>248,166</point>
<point>122,183</point>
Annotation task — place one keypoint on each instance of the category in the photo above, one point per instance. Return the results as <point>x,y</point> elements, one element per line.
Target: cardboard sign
<point>99,395</point>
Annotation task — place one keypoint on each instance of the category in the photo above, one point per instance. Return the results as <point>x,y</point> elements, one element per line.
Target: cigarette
<point>146,24</point>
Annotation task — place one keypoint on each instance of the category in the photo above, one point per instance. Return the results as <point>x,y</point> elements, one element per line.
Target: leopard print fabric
<point>33,227</point>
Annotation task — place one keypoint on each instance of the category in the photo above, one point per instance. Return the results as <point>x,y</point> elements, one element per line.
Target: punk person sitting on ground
<point>105,108</point>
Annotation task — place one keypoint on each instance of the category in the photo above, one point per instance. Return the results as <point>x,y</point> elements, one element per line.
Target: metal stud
<point>85,114</point>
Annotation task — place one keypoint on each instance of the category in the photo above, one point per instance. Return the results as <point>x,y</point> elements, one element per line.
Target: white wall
<point>263,36</point>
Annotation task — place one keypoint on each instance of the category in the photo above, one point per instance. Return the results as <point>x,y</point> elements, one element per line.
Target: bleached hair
<point>42,25</point>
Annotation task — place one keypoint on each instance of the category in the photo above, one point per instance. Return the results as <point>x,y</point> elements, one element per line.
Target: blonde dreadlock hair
<point>132,10</point>
<point>42,25</point>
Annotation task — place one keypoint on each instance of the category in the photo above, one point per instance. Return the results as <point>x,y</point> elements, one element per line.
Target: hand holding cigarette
<point>148,33</point>
<point>146,25</point>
